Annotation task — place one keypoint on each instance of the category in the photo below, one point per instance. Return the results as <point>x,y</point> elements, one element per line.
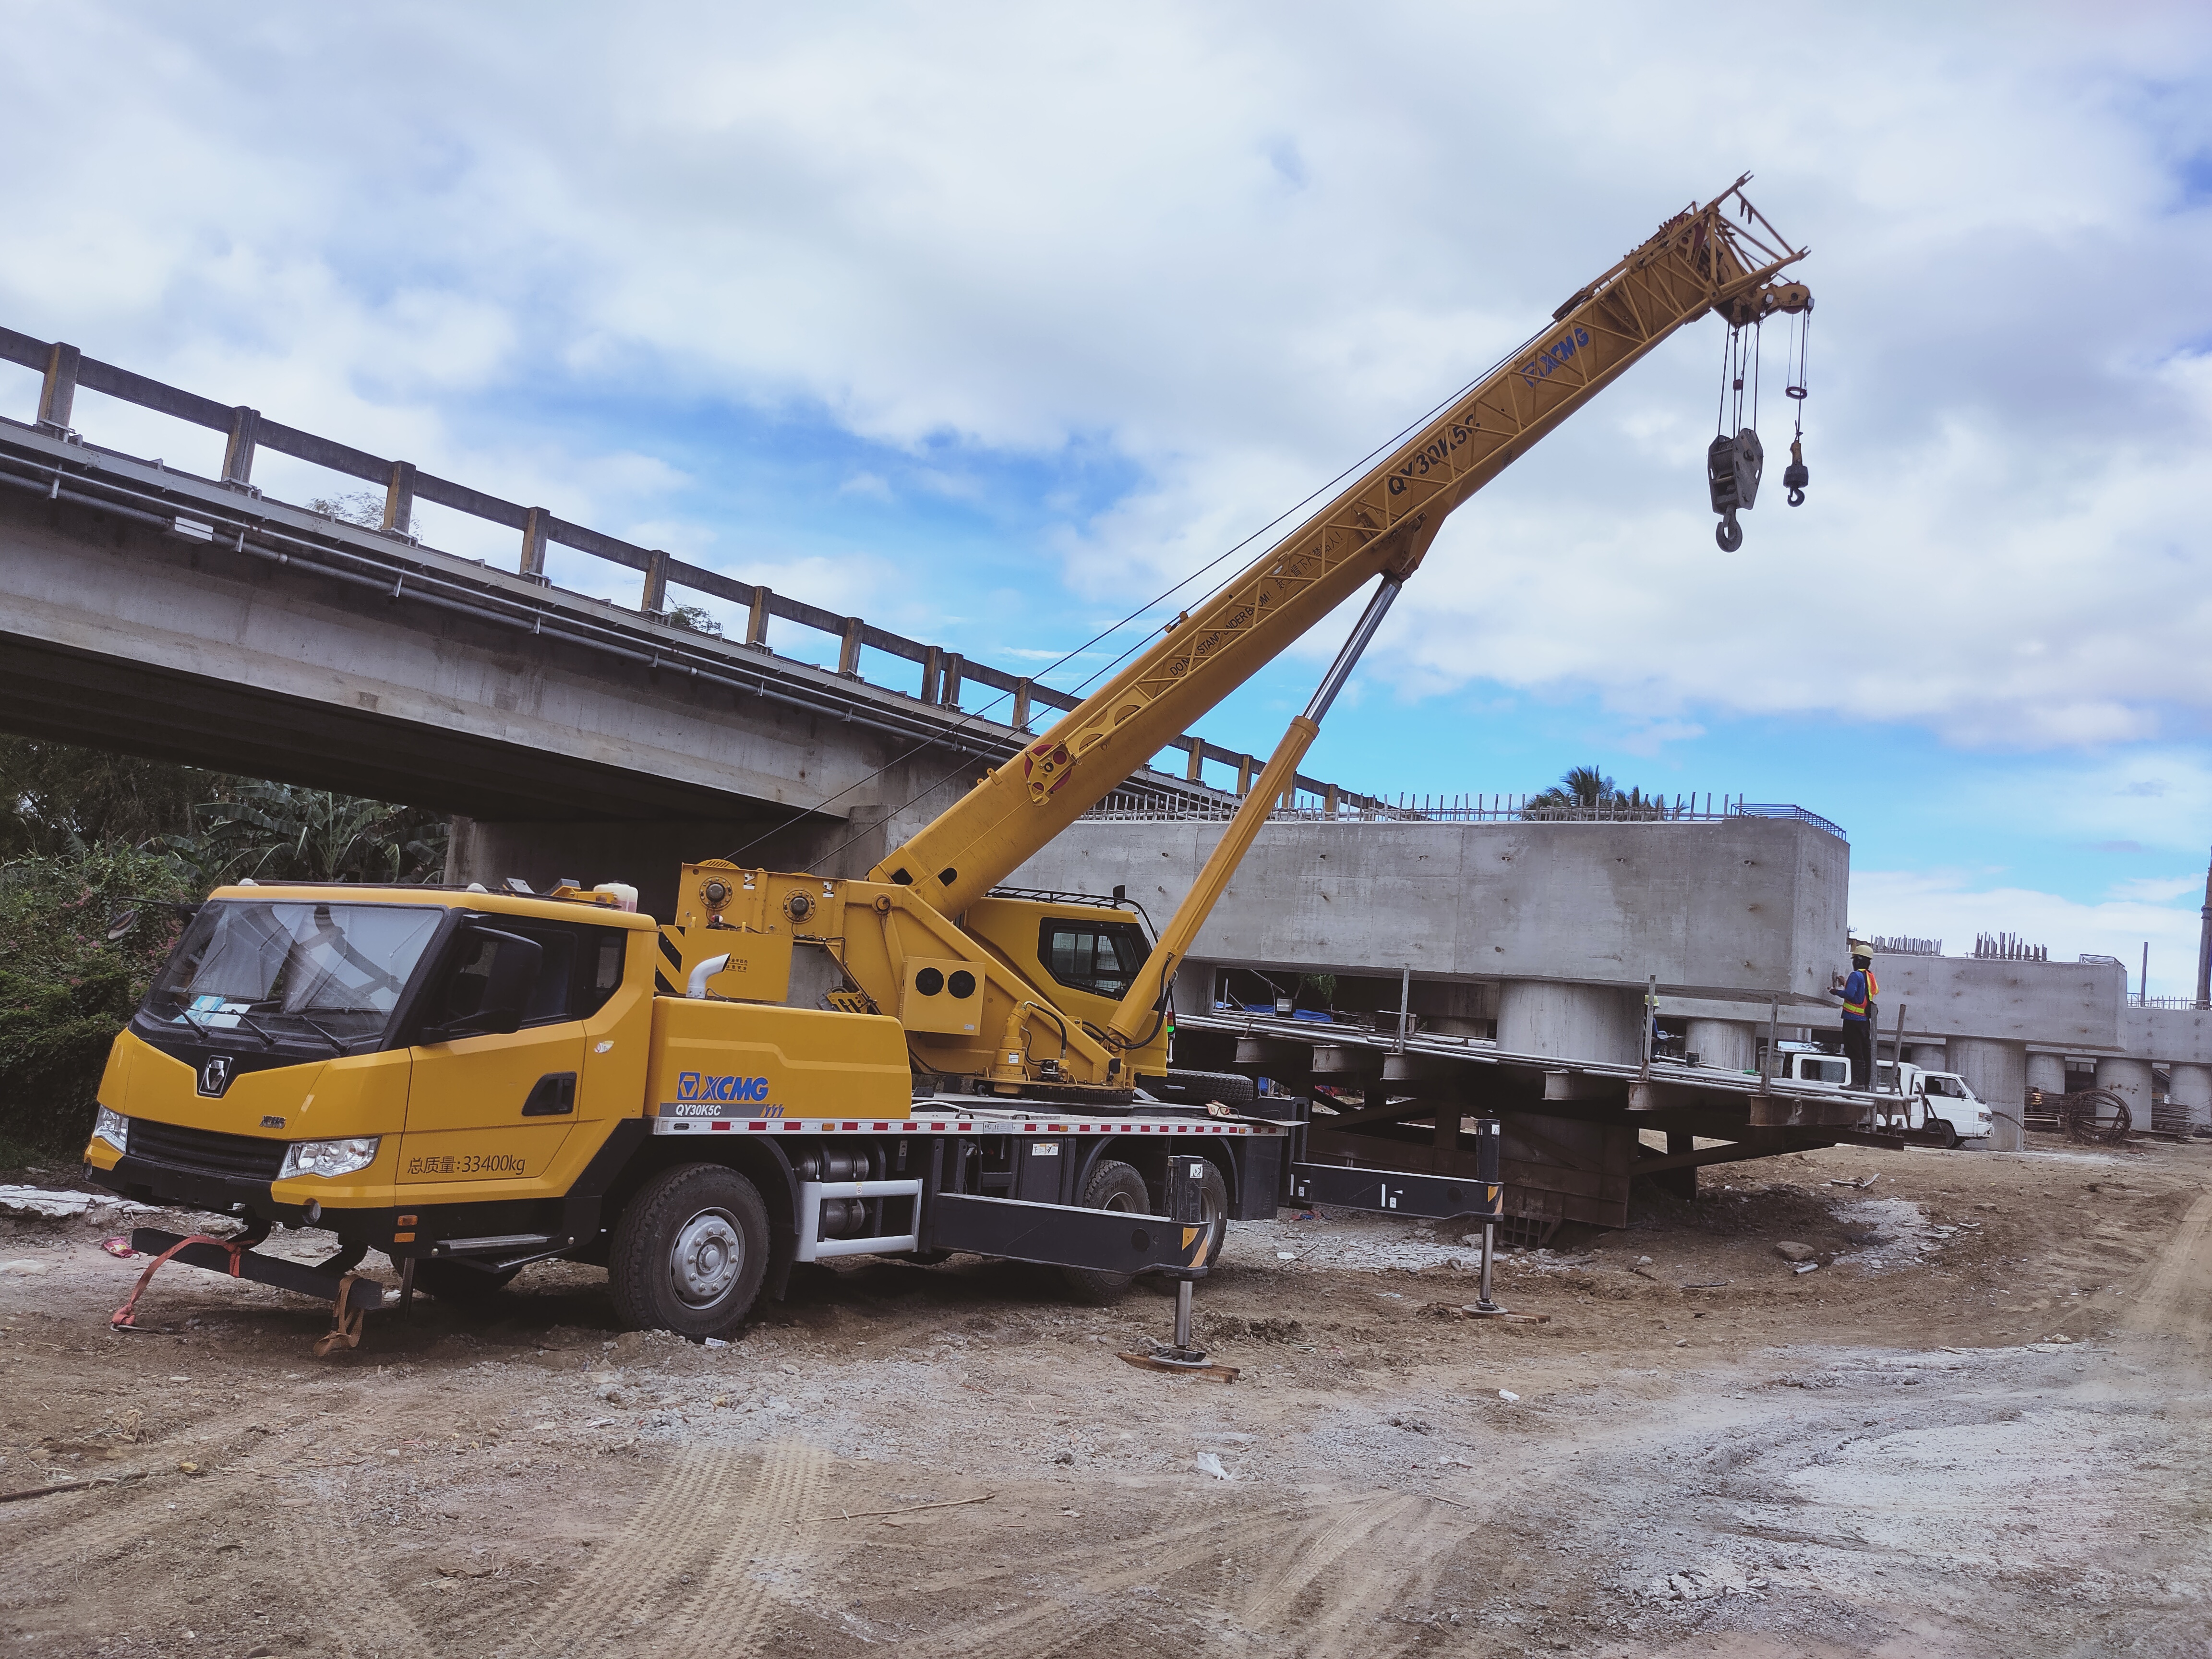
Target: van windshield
<point>284,969</point>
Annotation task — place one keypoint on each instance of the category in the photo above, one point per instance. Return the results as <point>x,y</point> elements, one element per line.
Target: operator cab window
<point>1824,1071</point>
<point>582,968</point>
<point>1099,957</point>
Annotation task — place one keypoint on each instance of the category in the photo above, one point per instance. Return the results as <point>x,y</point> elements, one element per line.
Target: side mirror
<point>504,965</point>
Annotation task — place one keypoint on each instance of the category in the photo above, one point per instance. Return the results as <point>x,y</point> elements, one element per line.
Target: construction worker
<point>1859,992</point>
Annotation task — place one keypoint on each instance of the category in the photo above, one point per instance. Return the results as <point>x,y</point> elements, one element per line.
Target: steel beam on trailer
<point>1735,1152</point>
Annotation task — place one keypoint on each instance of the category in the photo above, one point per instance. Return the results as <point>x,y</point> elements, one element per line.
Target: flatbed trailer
<point>1571,1129</point>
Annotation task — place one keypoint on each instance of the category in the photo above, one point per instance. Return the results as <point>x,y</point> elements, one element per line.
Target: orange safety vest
<point>1867,988</point>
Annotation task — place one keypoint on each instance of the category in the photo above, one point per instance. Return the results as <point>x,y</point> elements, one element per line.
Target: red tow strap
<point>125,1316</point>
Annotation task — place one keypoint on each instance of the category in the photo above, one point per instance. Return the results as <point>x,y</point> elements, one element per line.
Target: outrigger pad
<point>365,1295</point>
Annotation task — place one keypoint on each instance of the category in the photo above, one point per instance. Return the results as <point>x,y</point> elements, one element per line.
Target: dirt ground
<point>1978,1427</point>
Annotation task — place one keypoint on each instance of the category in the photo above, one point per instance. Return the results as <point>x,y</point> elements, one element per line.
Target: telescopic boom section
<point>1723,256</point>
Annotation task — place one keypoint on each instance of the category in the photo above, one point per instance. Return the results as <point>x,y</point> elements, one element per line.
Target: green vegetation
<point>1587,788</point>
<point>97,854</point>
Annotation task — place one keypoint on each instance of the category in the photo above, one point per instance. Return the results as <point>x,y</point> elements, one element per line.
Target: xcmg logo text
<point>693,1086</point>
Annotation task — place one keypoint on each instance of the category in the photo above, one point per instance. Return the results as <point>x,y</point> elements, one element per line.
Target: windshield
<point>292,968</point>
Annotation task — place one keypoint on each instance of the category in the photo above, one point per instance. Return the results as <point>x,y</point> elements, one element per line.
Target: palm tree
<point>1586,790</point>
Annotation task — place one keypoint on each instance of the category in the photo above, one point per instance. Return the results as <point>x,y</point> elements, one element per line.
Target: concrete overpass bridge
<point>193,619</point>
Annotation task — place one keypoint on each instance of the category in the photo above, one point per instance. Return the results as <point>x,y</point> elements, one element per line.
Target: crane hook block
<point>1796,475</point>
<point>1732,471</point>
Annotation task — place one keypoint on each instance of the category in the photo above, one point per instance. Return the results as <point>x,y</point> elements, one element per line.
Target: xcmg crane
<point>799,1067</point>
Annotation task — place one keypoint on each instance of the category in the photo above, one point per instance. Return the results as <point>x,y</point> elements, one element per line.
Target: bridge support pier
<point>1997,1072</point>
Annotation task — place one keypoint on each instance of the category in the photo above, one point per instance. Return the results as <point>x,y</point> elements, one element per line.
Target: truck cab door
<point>488,1114</point>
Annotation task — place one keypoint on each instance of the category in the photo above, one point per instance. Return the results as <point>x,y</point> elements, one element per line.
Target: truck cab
<point>1937,1103</point>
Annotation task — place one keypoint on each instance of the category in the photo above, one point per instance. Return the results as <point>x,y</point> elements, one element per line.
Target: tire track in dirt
<point>694,1560</point>
<point>1330,1574</point>
<point>1325,1592</point>
<point>345,1600</point>
<point>2177,1302</point>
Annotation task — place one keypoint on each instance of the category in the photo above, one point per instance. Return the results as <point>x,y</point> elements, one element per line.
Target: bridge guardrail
<point>944,673</point>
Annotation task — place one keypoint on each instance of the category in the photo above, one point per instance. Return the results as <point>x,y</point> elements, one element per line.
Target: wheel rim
<point>707,1258</point>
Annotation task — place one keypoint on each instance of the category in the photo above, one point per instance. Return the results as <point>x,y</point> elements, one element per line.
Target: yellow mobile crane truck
<point>796,1066</point>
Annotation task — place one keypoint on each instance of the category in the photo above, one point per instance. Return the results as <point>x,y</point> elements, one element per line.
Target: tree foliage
<point>98,852</point>
<point>1586,789</point>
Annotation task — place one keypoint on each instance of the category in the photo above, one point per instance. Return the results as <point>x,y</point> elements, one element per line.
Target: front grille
<point>205,1151</point>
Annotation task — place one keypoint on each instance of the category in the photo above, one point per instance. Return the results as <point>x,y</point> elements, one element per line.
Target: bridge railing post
<point>58,393</point>
<point>655,598</point>
<point>1021,719</point>
<point>955,666</point>
<point>757,622</point>
<point>848,649</point>
<point>535,524</point>
<point>238,447</point>
<point>933,671</point>
<point>399,498</point>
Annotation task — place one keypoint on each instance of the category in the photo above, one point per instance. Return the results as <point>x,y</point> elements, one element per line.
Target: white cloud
<point>1196,239</point>
<point>1949,905</point>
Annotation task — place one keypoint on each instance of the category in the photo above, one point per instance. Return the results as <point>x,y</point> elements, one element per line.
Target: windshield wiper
<point>257,1029</point>
<point>186,1015</point>
<point>341,1047</point>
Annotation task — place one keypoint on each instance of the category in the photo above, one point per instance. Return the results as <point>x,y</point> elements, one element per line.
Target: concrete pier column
<point>1928,1056</point>
<point>1997,1072</point>
<point>2047,1073</point>
<point>2192,1092</point>
<point>1571,1022</point>
<point>2130,1080</point>
<point>1723,1045</point>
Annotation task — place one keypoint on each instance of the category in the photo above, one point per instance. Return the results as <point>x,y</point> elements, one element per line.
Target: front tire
<point>1945,1136</point>
<point>1113,1186</point>
<point>690,1252</point>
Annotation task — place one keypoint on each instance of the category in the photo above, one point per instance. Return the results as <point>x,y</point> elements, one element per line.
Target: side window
<point>582,967</point>
<point>608,946</point>
<point>1099,957</point>
<point>554,997</point>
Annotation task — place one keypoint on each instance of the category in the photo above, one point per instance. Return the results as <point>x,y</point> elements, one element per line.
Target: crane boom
<point>1700,260</point>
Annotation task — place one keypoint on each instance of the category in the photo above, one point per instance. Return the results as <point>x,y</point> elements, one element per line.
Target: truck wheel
<point>459,1283</point>
<point>1213,1195</point>
<point>1945,1134</point>
<point>1113,1186</point>
<point>690,1252</point>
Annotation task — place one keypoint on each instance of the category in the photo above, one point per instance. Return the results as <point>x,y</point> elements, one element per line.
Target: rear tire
<point>690,1252</point>
<point>1113,1186</point>
<point>457,1282</point>
<point>1214,1195</point>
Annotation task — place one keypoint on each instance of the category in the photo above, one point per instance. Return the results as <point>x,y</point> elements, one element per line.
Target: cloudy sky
<point>989,323</point>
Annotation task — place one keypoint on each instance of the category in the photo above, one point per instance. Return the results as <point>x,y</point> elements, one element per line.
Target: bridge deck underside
<point>162,713</point>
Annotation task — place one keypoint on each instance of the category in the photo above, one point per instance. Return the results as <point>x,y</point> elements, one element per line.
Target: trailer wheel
<point>459,1283</point>
<point>690,1252</point>
<point>1113,1186</point>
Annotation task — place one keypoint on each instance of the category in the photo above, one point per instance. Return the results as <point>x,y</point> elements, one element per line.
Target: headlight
<point>113,1128</point>
<point>329,1157</point>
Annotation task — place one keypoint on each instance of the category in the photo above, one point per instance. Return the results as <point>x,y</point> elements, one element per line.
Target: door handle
<point>553,1095</point>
